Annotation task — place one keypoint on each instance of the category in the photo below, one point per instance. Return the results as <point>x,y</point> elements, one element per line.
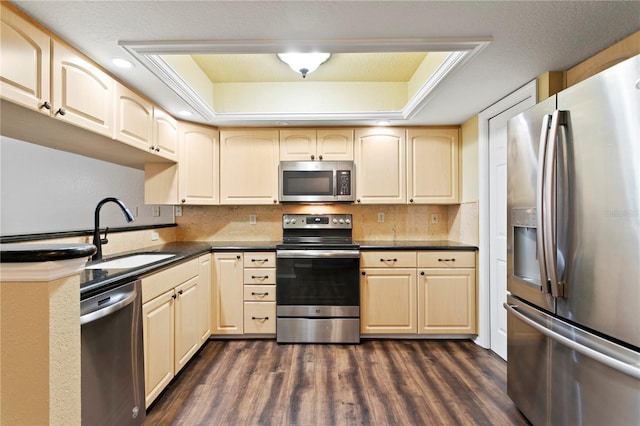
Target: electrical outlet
<point>253,219</point>
<point>380,217</point>
<point>434,218</point>
<point>135,211</point>
<point>178,211</point>
<point>154,236</point>
<point>155,211</point>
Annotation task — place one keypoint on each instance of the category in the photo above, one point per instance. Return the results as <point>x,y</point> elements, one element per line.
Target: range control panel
<point>316,221</point>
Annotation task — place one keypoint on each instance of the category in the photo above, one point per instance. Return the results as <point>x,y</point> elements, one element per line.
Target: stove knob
<point>293,221</point>
<point>341,221</point>
<point>286,221</point>
<point>335,221</point>
<point>347,221</point>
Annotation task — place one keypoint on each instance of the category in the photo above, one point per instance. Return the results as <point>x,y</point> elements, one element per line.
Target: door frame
<point>529,90</point>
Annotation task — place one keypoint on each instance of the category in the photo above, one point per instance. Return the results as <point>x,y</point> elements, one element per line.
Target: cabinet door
<point>134,118</point>
<point>433,166</point>
<point>298,145</point>
<point>82,93</point>
<point>165,135</point>
<point>227,293</point>
<point>25,65</point>
<point>447,301</point>
<point>187,330</point>
<point>249,167</point>
<point>198,165</point>
<point>335,144</point>
<point>204,297</point>
<point>380,156</point>
<point>388,301</point>
<point>158,330</point>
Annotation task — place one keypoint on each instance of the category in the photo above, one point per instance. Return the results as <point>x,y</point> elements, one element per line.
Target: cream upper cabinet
<point>25,64</point>
<point>134,118</point>
<point>227,290</point>
<point>447,293</point>
<point>380,158</point>
<point>433,158</point>
<point>198,166</point>
<point>249,162</point>
<point>82,93</point>
<point>316,145</point>
<point>165,135</point>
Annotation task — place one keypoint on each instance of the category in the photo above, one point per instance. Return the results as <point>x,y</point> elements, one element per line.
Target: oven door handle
<point>314,254</point>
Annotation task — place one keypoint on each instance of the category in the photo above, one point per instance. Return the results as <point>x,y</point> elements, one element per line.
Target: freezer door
<point>523,146</point>
<point>568,376</point>
<point>601,193</point>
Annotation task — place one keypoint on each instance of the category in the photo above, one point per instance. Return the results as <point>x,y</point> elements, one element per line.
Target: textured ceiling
<point>528,38</point>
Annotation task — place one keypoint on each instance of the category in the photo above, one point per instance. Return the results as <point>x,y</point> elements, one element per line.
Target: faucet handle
<point>104,240</point>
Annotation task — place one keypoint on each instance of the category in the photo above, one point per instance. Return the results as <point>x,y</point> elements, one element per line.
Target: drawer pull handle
<point>259,277</point>
<point>266,293</point>
<point>447,260</point>
<point>260,260</point>
<point>388,260</point>
<point>260,318</point>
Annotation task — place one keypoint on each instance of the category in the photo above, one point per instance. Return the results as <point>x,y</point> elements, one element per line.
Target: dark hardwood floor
<point>379,382</point>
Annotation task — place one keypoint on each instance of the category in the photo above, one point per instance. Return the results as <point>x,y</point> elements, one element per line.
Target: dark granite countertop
<point>25,253</point>
<point>243,245</point>
<point>415,245</point>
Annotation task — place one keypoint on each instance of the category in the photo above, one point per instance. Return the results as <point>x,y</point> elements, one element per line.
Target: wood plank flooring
<point>379,382</point>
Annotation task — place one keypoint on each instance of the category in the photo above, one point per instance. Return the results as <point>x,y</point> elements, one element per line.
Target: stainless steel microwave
<point>317,181</point>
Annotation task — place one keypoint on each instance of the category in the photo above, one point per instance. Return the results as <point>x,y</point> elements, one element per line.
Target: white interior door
<point>500,114</point>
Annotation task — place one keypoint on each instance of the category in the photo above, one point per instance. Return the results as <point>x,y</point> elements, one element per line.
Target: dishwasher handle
<point>121,299</point>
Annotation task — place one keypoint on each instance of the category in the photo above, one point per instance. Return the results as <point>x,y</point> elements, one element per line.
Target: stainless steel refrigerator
<point>573,324</point>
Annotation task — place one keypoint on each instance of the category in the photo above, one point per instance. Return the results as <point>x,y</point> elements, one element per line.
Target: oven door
<point>318,278</point>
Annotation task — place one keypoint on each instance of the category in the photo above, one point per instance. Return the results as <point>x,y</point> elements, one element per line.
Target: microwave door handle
<point>540,206</point>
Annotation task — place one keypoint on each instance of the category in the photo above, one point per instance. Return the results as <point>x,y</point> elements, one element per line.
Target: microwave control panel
<point>344,182</point>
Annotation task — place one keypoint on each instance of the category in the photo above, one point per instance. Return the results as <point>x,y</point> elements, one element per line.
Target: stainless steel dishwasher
<point>112,357</point>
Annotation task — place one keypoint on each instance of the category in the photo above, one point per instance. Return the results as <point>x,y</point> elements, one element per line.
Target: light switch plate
<point>380,217</point>
<point>253,219</point>
<point>178,211</point>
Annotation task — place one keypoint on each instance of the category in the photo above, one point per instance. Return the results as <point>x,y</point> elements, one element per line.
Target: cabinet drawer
<point>260,276</point>
<point>446,259</point>
<point>259,317</point>
<point>260,293</point>
<point>260,259</point>
<point>388,259</point>
<point>158,283</point>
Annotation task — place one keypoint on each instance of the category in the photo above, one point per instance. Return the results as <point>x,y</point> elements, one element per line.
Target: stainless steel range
<point>317,277</point>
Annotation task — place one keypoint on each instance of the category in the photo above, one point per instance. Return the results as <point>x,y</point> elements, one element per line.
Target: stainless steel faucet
<point>97,241</point>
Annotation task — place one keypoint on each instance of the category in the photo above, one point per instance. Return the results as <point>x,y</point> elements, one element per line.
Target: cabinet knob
<point>320,157</point>
<point>411,200</point>
<point>61,111</point>
<point>358,200</point>
<point>180,292</point>
<point>422,273</point>
<point>363,273</point>
<point>151,148</point>
<point>173,296</point>
<point>46,105</point>
<point>183,200</point>
<point>275,201</point>
<point>238,257</point>
<point>313,157</point>
<point>388,260</point>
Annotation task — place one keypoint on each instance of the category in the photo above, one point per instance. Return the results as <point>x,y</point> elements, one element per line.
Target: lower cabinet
<point>426,292</point>
<point>243,293</point>
<point>174,319</point>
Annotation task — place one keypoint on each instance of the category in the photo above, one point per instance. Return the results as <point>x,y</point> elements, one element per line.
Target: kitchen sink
<point>131,261</point>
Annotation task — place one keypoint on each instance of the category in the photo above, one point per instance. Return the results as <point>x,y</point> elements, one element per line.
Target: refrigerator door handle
<point>550,194</point>
<point>631,369</point>
<point>540,234</point>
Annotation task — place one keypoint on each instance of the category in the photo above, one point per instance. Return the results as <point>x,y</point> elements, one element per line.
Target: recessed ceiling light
<point>185,113</point>
<point>383,123</point>
<point>122,63</point>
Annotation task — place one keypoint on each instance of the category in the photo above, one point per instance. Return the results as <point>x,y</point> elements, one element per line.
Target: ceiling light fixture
<point>304,63</point>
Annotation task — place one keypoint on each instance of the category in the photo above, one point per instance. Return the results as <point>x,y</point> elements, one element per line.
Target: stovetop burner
<point>328,231</point>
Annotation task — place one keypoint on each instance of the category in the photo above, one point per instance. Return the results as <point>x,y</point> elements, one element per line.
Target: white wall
<point>46,190</point>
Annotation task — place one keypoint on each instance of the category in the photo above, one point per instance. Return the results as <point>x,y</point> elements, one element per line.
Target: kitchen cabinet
<point>432,172</point>
<point>316,144</point>
<point>446,292</point>
<point>134,118</point>
<point>173,312</point>
<point>165,135</point>
<point>380,158</point>
<point>82,94</point>
<point>388,292</point>
<point>249,162</point>
<point>26,62</point>
<point>259,293</point>
<point>204,297</point>
<point>199,153</point>
<point>227,293</point>
<point>424,292</point>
